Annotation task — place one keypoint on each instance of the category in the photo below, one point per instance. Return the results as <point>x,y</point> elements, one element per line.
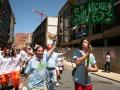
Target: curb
<point>73,65</point>
<point>106,77</point>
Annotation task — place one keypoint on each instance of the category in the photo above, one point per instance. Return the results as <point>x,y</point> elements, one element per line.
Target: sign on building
<point>93,12</point>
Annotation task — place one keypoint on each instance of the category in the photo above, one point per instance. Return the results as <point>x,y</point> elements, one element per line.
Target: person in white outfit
<point>108,62</point>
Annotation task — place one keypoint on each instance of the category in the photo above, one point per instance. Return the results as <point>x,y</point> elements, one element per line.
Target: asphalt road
<point>99,83</point>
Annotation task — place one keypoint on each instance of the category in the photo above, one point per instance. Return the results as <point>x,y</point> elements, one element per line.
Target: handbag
<point>73,71</point>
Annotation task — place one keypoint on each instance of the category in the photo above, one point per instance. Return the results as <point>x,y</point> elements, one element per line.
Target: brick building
<point>22,40</point>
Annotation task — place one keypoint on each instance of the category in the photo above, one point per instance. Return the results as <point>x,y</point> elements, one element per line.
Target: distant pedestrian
<point>59,67</point>
<point>108,62</point>
<point>81,81</point>
<point>52,66</point>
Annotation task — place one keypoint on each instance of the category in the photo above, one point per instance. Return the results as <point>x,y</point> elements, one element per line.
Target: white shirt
<point>23,55</point>
<point>108,58</point>
<point>60,61</point>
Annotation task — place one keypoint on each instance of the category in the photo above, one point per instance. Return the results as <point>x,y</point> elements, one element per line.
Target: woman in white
<point>108,62</point>
<point>26,55</point>
<point>5,76</point>
<point>15,74</point>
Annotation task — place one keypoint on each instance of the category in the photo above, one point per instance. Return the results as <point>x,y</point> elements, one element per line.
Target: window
<point>97,29</point>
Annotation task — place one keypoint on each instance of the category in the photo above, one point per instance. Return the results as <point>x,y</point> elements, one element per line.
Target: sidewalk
<point>112,76</point>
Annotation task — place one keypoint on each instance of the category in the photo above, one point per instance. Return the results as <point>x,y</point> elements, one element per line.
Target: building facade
<point>45,32</point>
<point>104,37</point>
<point>22,40</point>
<point>64,25</point>
<point>7,22</point>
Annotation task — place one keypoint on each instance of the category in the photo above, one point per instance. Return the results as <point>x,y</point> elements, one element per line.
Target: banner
<point>9,66</point>
<point>93,12</point>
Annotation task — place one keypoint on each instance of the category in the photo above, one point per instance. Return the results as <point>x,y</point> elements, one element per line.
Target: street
<point>38,37</point>
<point>99,83</point>
<point>66,83</point>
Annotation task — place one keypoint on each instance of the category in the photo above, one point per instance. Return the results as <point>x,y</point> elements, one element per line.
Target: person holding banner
<point>80,57</point>
<point>15,74</point>
<point>9,70</point>
<point>5,76</point>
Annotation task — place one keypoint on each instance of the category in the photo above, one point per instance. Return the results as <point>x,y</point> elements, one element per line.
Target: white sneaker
<point>24,88</point>
<point>57,84</point>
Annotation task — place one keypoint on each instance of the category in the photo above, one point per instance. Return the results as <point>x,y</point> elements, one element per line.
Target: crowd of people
<point>43,66</point>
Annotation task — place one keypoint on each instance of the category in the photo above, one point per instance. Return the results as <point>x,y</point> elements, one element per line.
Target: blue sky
<point>26,20</point>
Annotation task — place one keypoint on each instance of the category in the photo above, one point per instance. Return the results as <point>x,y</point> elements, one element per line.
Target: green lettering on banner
<point>80,15</point>
<point>93,11</point>
<point>101,11</point>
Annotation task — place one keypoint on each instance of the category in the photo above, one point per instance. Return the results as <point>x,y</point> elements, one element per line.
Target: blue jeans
<point>51,79</point>
<point>40,88</point>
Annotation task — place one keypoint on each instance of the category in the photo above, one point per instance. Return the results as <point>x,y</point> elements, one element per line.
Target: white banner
<point>9,66</point>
